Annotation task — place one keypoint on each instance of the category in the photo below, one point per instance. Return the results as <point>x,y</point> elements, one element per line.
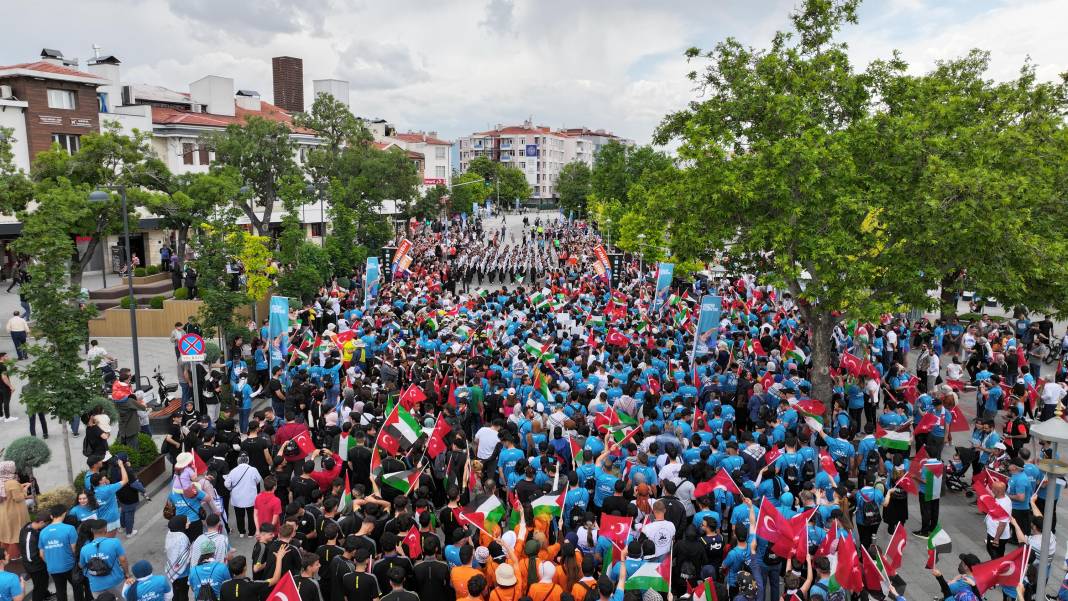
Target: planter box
<point>149,473</point>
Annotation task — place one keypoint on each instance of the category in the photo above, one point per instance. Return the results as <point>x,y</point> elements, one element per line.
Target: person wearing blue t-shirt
<point>147,586</point>
<point>10,583</point>
<point>868,501</point>
<point>56,544</point>
<point>103,561</point>
<point>1019,491</point>
<point>207,572</point>
<point>105,493</point>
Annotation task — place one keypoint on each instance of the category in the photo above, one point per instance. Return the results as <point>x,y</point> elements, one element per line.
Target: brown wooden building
<point>63,103</point>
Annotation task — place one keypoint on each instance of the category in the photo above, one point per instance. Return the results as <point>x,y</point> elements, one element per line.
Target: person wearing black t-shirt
<point>307,584</point>
<point>359,585</point>
<point>397,576</point>
<point>242,588</point>
<point>390,558</point>
<point>258,449</point>
<point>276,392</point>
<point>335,568</point>
<point>432,574</point>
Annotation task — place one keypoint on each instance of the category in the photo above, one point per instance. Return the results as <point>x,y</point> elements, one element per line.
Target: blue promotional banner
<point>372,280</point>
<point>664,273</point>
<point>532,150</point>
<point>707,325</point>
<point>278,328</point>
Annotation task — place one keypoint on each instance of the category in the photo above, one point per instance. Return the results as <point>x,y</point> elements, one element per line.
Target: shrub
<point>109,408</point>
<point>28,452</point>
<point>156,302</point>
<point>131,454</point>
<point>124,302</point>
<point>139,272</point>
<point>344,283</point>
<point>148,449</point>
<point>212,351</point>
<point>152,269</point>
<point>181,294</point>
<point>65,496</point>
<point>79,483</point>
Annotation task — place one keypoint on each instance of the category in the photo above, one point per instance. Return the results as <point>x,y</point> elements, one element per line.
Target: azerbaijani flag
<point>650,575</point>
<point>898,441</point>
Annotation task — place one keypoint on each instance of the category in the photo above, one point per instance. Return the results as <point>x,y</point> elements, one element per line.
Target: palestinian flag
<point>796,355</point>
<point>673,300</point>
<point>483,511</point>
<point>538,300</point>
<point>404,480</point>
<point>626,419</point>
<point>432,323</point>
<point>541,384</point>
<point>642,327</point>
<point>483,292</point>
<point>681,316</point>
<point>539,349</point>
<point>932,485</point>
<point>705,591</point>
<point>463,332</point>
<point>937,542</point>
<point>549,505</point>
<point>576,451</point>
<point>609,559</point>
<point>622,433</point>
<point>346,497</point>
<point>399,432</point>
<point>897,441</point>
<point>650,575</point>
<point>597,321</point>
<point>344,443</point>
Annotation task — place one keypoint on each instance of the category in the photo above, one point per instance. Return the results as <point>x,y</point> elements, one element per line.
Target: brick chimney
<point>288,83</point>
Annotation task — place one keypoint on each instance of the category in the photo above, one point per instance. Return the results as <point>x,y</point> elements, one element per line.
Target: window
<point>69,142</point>
<point>102,102</point>
<point>61,99</point>
<point>316,230</point>
<point>439,172</point>
<point>187,153</point>
<point>204,158</point>
<point>439,152</point>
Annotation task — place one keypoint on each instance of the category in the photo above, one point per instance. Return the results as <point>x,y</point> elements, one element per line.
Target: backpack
<point>808,471</point>
<point>825,592</point>
<point>869,510</point>
<point>97,566</point>
<point>792,475</point>
<point>591,593</point>
<point>206,593</point>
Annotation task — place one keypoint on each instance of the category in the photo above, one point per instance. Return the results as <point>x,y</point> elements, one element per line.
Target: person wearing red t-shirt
<point>268,508</point>
<point>122,388</point>
<point>331,470</point>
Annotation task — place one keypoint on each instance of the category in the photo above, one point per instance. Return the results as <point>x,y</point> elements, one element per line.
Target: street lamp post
<point>1054,430</point>
<point>608,232</point>
<point>102,196</point>
<point>317,191</point>
<point>641,254</point>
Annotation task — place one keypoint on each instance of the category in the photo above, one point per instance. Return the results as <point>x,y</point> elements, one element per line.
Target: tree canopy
<point>573,186</point>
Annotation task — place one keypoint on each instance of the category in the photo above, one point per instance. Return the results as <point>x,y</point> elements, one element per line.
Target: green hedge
<point>156,302</point>
<point>181,294</point>
<point>139,458</point>
<point>139,272</point>
<point>124,302</point>
<point>152,269</point>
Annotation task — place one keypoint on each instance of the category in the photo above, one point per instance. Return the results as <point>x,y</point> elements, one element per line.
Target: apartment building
<point>538,151</point>
<point>436,154</point>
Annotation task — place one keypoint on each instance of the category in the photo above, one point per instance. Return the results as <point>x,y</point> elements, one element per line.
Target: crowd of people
<point>503,423</point>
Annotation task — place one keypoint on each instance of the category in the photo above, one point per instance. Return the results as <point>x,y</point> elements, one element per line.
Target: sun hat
<point>505,575</point>
<point>183,460</point>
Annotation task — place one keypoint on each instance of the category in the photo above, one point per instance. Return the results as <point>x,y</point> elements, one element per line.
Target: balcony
<point>506,145</point>
<point>506,158</point>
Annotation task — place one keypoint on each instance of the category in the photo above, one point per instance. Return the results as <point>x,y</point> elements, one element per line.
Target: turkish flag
<point>927,423</point>
<point>829,545</point>
<point>615,529</point>
<point>917,462</point>
<point>285,590</point>
<point>616,338</point>
<point>846,572</point>
<point>305,443</point>
<point>851,364</point>
<point>1007,570</point>
<point>767,380</point>
<point>199,466</point>
<point>873,578</point>
<point>773,453</point>
<point>959,423</point>
<point>811,407</point>
<point>871,371</point>
<point>895,550</point>
<point>412,397</point>
<point>799,524</point>
<point>654,385</point>
<point>722,480</point>
<point>344,337</point>
<point>758,349</point>
<point>907,484</point>
<point>436,444</point>
<point>413,541</point>
<point>827,463</point>
<point>774,528</point>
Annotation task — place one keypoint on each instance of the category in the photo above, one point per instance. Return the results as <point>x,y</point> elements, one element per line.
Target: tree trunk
<point>819,339</point>
<point>948,290</point>
<point>66,450</point>
<point>183,238</point>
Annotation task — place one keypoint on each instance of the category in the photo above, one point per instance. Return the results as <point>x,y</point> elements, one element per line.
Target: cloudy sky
<point>458,66</point>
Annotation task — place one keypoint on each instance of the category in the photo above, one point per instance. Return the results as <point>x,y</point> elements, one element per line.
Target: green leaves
<point>573,186</point>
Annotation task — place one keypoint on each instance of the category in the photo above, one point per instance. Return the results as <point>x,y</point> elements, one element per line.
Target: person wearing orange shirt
<point>545,589</point>
<point>462,573</point>
<point>588,583</point>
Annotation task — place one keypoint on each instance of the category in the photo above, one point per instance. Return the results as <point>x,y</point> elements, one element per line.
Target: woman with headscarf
<point>545,589</point>
<point>176,546</point>
<point>13,511</point>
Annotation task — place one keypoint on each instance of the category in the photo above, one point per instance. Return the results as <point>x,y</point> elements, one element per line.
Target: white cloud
<point>459,66</point>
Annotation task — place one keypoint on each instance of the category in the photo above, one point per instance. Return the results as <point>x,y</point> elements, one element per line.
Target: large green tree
<point>262,153</point>
<point>617,168</point>
<point>505,181</point>
<point>845,188</point>
<point>15,187</point>
<point>189,199</point>
<point>574,187</point>
<point>58,385</point>
<point>467,189</point>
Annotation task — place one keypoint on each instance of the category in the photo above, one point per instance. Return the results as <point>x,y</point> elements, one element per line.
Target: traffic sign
<point>191,348</point>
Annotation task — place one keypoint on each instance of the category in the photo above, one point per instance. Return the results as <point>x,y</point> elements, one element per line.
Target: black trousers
<point>928,515</point>
<point>995,547</point>
<point>1041,503</point>
<point>244,515</point>
<point>866,534</point>
<point>61,581</point>
<point>180,589</point>
<point>5,402</point>
<point>40,584</point>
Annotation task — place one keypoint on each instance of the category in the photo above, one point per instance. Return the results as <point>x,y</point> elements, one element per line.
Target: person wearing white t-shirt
<point>998,531</point>
<point>933,367</point>
<point>661,531</point>
<point>487,438</point>
<point>1052,393</point>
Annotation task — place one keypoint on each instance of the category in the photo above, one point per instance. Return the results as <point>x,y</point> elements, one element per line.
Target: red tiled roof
<point>172,116</point>
<point>413,137</point>
<point>46,67</point>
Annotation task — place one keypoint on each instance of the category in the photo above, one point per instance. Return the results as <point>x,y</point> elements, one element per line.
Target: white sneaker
<point>11,419</point>
<point>132,534</point>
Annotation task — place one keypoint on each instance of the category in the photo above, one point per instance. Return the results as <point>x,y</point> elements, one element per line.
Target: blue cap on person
<point>142,569</point>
